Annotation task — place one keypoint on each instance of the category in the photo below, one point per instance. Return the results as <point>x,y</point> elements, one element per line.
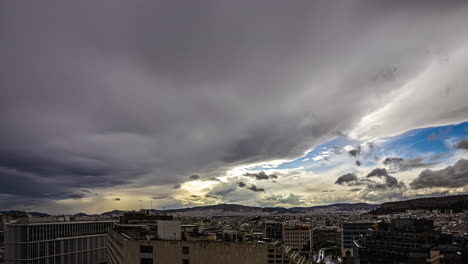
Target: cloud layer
<point>127,96</point>
<point>452,177</point>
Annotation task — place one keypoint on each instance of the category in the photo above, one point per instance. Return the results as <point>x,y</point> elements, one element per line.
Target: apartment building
<point>299,238</point>
<point>54,240</point>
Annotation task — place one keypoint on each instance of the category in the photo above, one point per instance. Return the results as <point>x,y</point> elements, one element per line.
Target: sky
<point>130,104</point>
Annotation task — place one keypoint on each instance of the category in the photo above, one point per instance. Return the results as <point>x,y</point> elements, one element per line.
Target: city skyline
<point>116,105</point>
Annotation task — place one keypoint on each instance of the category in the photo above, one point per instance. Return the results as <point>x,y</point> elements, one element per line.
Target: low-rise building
<point>142,243</point>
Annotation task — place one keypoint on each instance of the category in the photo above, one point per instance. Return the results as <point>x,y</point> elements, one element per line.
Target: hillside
<point>235,209</point>
<point>456,203</point>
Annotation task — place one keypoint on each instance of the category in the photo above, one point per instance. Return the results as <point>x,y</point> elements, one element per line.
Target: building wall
<point>169,230</point>
<point>123,250</point>
<point>273,231</point>
<point>296,237</point>
<point>52,243</point>
<point>326,237</point>
<point>351,232</point>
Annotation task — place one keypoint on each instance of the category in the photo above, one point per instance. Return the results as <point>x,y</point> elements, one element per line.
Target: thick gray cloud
<point>390,181</point>
<point>261,175</point>
<point>452,177</point>
<point>384,181</point>
<point>347,179</point>
<point>255,188</point>
<point>194,177</point>
<point>462,144</point>
<point>378,172</point>
<point>117,93</point>
<point>400,164</point>
<point>355,152</point>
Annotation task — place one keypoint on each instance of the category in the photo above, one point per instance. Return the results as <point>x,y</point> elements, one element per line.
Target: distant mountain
<point>80,214</point>
<point>235,209</point>
<point>456,203</point>
<point>114,212</point>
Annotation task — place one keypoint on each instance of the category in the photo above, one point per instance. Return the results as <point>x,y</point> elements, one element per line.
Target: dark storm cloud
<point>211,196</point>
<point>462,144</point>
<point>194,177</point>
<point>390,181</point>
<point>385,181</point>
<point>346,179</point>
<point>252,187</point>
<point>355,152</point>
<point>452,177</point>
<point>116,199</point>
<point>378,172</point>
<point>389,161</point>
<point>400,164</point>
<point>261,176</point>
<point>255,188</point>
<point>123,94</point>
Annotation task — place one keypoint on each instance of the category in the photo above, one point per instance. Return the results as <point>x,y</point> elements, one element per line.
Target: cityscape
<point>234,132</point>
<point>427,230</point>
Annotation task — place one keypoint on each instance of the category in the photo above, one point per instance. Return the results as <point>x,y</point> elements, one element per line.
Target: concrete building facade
<point>122,249</point>
<point>73,242</point>
<point>297,237</point>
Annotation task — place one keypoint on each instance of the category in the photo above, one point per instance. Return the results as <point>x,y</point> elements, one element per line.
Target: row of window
<point>30,233</point>
<point>50,248</point>
<point>278,261</point>
<point>150,261</point>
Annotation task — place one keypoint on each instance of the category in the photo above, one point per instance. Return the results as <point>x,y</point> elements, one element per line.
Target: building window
<point>185,261</point>
<point>146,249</point>
<point>146,261</point>
<point>186,250</point>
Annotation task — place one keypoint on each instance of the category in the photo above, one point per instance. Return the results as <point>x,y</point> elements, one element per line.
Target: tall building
<point>53,240</point>
<point>299,238</point>
<point>2,244</point>
<point>273,231</point>
<point>352,232</point>
<point>408,241</point>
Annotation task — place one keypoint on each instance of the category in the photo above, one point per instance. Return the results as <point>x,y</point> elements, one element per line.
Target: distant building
<point>326,237</point>
<point>352,232</point>
<point>299,238</point>
<point>273,231</point>
<point>48,240</point>
<point>408,241</point>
